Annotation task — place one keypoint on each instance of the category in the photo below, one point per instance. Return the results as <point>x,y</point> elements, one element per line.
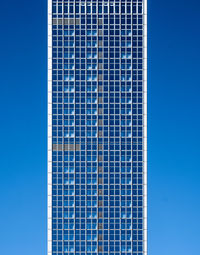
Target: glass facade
<point>97,127</point>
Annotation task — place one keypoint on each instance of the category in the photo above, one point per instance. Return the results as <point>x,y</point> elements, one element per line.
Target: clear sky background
<point>173,127</point>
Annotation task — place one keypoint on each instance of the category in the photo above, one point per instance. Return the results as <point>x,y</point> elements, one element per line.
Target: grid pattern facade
<point>97,127</point>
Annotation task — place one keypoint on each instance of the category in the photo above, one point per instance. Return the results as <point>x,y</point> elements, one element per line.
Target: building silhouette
<point>97,127</point>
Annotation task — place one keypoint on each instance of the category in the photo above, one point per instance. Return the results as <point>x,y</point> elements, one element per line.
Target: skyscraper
<point>97,127</point>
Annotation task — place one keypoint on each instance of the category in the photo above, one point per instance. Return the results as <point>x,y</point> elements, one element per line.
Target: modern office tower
<point>97,127</point>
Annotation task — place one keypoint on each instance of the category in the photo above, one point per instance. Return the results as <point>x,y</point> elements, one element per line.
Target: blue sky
<point>173,127</point>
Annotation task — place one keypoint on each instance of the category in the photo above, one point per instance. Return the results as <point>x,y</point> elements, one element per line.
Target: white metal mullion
<point>131,14</point>
<point>109,123</point>
<point>49,127</point>
<point>120,125</point>
<point>145,124</point>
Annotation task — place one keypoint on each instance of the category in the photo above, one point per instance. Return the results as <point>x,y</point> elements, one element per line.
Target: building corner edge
<point>145,125</point>
<point>49,146</point>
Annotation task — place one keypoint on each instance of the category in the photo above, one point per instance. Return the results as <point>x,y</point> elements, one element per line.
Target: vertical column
<point>145,121</point>
<point>49,127</point>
